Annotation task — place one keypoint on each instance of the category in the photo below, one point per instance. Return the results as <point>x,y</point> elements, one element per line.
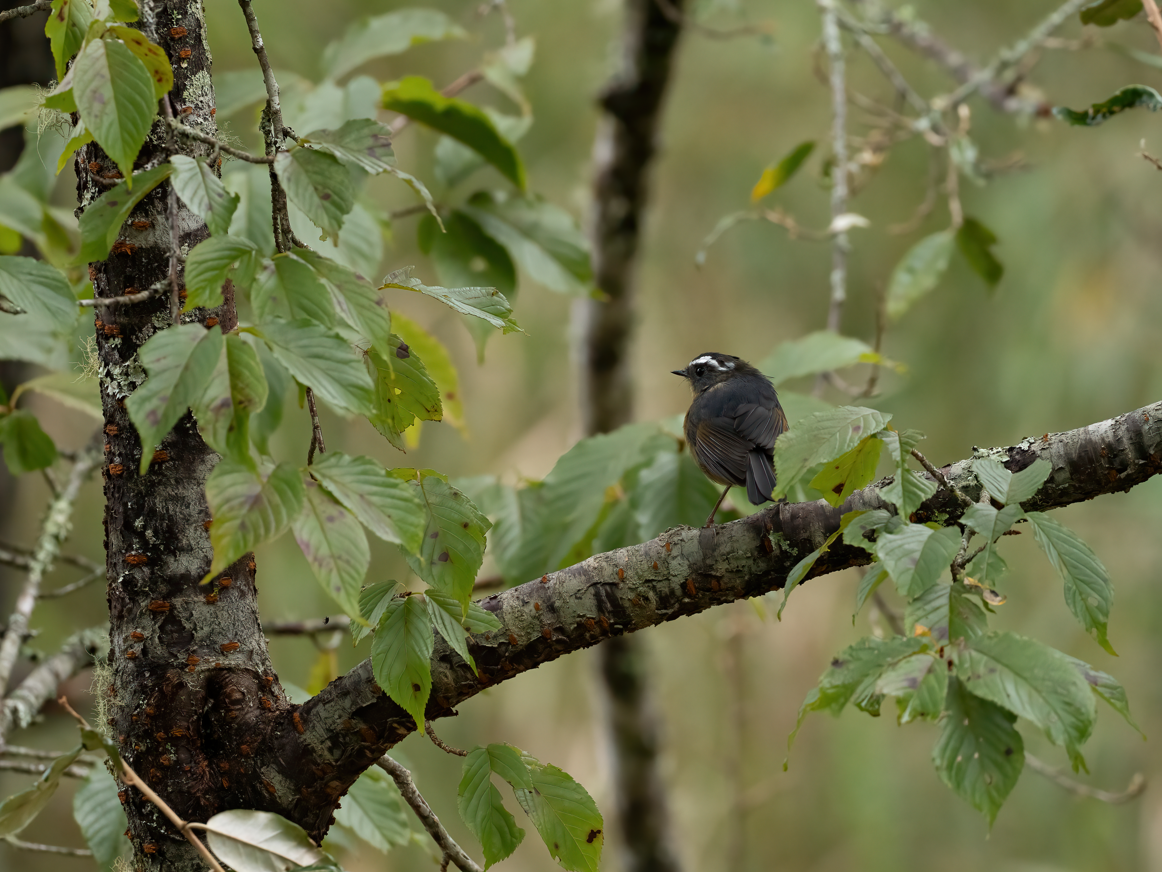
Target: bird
<point>732,424</point>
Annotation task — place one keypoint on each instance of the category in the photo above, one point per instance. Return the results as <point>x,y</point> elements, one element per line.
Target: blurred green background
<point>1070,337</point>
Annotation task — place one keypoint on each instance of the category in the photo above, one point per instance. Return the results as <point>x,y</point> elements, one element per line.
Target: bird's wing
<point>722,451</point>
<point>760,423</point>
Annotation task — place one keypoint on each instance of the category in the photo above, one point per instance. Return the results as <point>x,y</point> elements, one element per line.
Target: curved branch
<point>348,726</point>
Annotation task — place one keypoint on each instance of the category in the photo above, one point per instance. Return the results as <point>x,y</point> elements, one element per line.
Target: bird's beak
<point>680,372</point>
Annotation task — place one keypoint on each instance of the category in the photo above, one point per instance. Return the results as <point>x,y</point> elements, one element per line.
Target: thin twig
<point>1136,787</point>
<point>54,530</point>
<point>47,849</point>
<point>440,743</point>
<point>26,11</point>
<point>465,81</point>
<point>1151,159</point>
<point>138,297</point>
<point>197,135</point>
<point>317,626</point>
<point>941,478</point>
<point>431,823</point>
<point>65,590</point>
<point>316,430</point>
<point>881,329</point>
<point>407,211</point>
<point>840,247</point>
<point>1154,17</point>
<point>73,771</point>
<point>104,181</point>
<point>895,619</point>
<point>675,16</point>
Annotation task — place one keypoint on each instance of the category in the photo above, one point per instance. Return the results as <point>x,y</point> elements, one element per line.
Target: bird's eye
<point>699,370</point>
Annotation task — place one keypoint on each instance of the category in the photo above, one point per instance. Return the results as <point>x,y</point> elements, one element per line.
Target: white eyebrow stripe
<point>709,360</point>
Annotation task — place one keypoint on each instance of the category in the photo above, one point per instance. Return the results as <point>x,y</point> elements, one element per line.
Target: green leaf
<point>975,242</point>
<point>916,556</point>
<point>1033,681</point>
<point>80,393</point>
<point>820,438</point>
<point>116,10</point>
<point>79,137</point>
<point>388,507</point>
<point>67,24</point>
<point>799,570</point>
<point>1106,13</point>
<point>211,262</point>
<point>201,189</point>
<point>446,614</point>
<point>18,103</point>
<point>101,222</point>
<point>908,489</point>
<point>477,620</point>
<point>373,602</point>
<point>360,142</point>
<point>979,753</point>
<point>417,98</point>
<point>335,546</point>
<point>453,545</point>
<point>114,94</point>
<point>40,290</point>
<point>946,611</point>
<point>991,524</point>
<point>873,577</point>
<point>1007,487</point>
<point>353,297</point>
<point>544,239</point>
<point>18,810</point>
<point>918,272</point>
<point>252,217</point>
<point>919,683</point>
<point>821,351</point>
<point>777,175</point>
<point>671,490</point>
<point>384,35</point>
<point>456,162</point>
<point>286,286</point>
<point>480,804</point>
<point>26,446</point>
<point>870,521</point>
<point>318,184</point>
<point>236,389</point>
<point>102,821</point>
<point>1130,97</point>
<point>151,55</point>
<point>403,391</point>
<point>374,811</point>
<point>520,539</point>
<point>504,68</point>
<point>842,477</point>
<point>401,655</point>
<point>566,817</point>
<point>488,304</point>
<point>179,362</point>
<point>1088,590</point>
<point>1107,688</point>
<point>439,365</point>
<point>249,508</point>
<point>321,360</point>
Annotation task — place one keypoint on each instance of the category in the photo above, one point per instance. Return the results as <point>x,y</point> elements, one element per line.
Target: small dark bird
<point>732,425</point>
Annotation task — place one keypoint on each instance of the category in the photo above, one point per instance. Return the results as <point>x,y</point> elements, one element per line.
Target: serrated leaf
<point>1130,97</point>
<point>201,189</point>
<point>417,98</point>
<point>456,162</point>
<point>252,217</point>
<point>211,262</point>
<point>318,184</point>
<point>360,142</point>
<point>918,272</point>
<point>919,684</point>
<point>100,817</point>
<point>777,175</point>
<point>799,570</point>
<point>873,577</point>
<point>401,655</point>
<point>101,222</point>
<point>18,810</point>
<point>287,286</point>
<point>261,841</point>
<point>987,566</point>
<point>819,438</point>
<point>25,445</point>
<point>870,521</point>
<point>335,546</point>
<point>480,804</point>
<point>947,612</point>
<point>438,363</point>
<point>979,753</point>
<point>975,242</point>
<point>66,26</point>
<point>115,96</point>
<point>566,817</point>
<point>1107,688</point>
<point>403,391</point>
<point>388,507</point>
<point>151,55</point>
<point>321,360</point>
<point>384,35</point>
<point>477,619</point>
<point>374,811</point>
<point>1007,487</point>
<point>544,239</point>
<point>843,476</point>
<point>671,490</point>
<point>916,556</point>
<point>373,602</point>
<point>79,137</point>
<point>249,507</point>
<point>452,549</point>
<point>446,614</point>
<point>488,304</point>
<point>1106,13</point>
<point>908,488</point>
<point>1088,590</point>
<point>40,290</point>
<point>821,351</point>
<point>354,298</point>
<point>236,389</point>
<point>1033,681</point>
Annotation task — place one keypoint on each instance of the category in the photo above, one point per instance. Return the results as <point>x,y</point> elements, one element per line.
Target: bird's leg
<point>710,520</point>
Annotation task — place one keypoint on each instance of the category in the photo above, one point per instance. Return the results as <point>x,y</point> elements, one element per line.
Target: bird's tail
<point>760,477</point>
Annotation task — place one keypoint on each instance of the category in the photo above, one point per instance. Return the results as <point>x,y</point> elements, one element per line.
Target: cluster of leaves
<point>948,666</point>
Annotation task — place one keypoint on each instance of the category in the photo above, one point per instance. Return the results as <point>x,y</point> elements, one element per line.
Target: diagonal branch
<point>25,11</point>
<point>40,685</point>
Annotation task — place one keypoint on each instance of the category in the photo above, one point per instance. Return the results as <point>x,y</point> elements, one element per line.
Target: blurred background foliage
<point>1070,336</point>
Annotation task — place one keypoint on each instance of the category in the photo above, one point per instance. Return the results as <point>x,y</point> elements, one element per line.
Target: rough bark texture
<point>623,152</point>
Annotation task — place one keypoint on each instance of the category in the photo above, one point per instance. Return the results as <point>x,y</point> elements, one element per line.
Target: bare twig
<point>941,478</point>
<point>336,624</point>
<point>104,181</point>
<point>440,743</point>
<point>1134,789</point>
<point>1151,159</point>
<point>197,135</point>
<point>65,590</point>
<point>840,246</point>
<point>73,771</point>
<point>316,430</point>
<point>47,849</point>
<point>894,618</point>
<point>675,16</point>
<point>137,297</point>
<point>25,11</point>
<point>407,211</point>
<point>54,530</point>
<point>1154,17</point>
<point>431,823</point>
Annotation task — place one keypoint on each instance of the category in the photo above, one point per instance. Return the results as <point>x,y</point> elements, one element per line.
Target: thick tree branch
<point>683,572</point>
<point>26,11</point>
